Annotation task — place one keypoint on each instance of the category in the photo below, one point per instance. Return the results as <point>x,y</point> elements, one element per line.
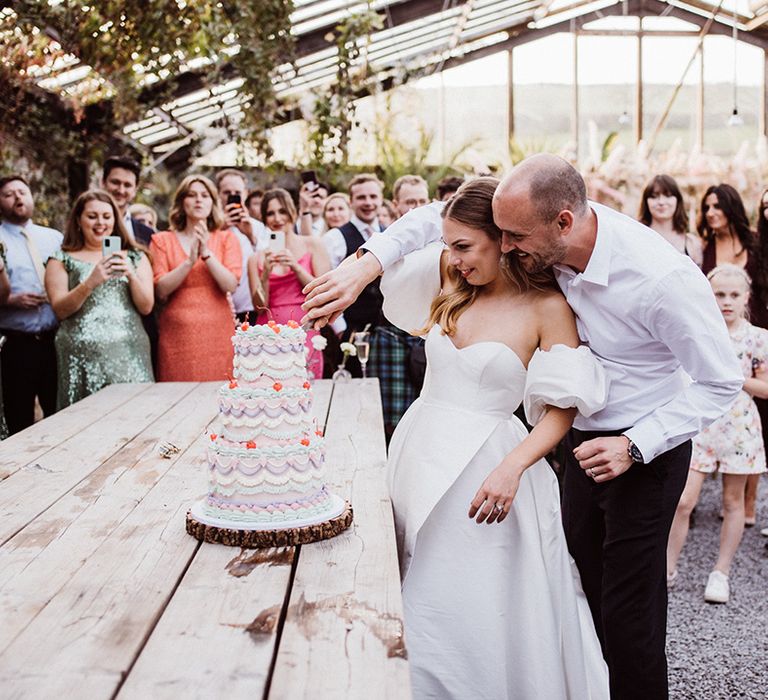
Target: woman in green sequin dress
<point>99,300</point>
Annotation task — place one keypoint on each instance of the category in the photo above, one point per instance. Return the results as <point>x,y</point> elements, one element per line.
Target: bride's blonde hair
<point>471,206</point>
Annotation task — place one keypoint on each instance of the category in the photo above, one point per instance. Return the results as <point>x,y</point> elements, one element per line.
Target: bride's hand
<point>493,500</point>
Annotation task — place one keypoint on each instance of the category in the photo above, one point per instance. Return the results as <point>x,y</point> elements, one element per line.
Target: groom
<point>649,315</point>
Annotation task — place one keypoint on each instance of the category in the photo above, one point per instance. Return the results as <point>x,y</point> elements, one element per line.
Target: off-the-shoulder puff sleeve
<point>565,378</point>
<point>410,285</point>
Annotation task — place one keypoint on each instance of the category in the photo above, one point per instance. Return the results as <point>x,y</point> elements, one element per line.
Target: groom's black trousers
<point>617,533</point>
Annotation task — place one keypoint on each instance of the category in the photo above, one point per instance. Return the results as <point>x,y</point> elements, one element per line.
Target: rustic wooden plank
<point>220,627</point>
<point>91,630</point>
<point>40,560</point>
<point>25,447</point>
<point>343,634</point>
<point>30,491</point>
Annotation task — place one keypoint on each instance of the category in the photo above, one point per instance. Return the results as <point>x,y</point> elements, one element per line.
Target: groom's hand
<point>604,458</point>
<point>331,293</point>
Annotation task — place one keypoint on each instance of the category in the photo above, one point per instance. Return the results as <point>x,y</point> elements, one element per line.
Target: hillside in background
<point>457,117</point>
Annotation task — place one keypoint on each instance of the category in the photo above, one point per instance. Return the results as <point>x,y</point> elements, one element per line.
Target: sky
<point>550,60</point>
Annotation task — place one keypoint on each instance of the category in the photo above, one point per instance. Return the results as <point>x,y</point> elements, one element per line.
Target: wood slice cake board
<point>287,537</point>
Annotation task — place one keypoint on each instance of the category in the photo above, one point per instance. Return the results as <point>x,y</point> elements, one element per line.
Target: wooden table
<point>103,594</point>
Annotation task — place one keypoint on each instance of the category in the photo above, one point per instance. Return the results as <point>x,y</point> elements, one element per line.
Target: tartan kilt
<point>390,351</point>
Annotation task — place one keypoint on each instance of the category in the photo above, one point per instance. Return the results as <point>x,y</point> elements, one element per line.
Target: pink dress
<point>285,300</point>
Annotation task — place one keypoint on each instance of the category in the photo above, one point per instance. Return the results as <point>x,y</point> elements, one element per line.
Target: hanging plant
<point>333,115</point>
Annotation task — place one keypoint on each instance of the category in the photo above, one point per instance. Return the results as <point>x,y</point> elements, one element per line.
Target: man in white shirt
<point>409,192</point>
<point>26,319</point>
<point>649,315</point>
<point>251,234</point>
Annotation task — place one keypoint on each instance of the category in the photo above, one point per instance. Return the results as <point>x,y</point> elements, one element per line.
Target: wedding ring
<point>496,508</point>
<point>592,472</point>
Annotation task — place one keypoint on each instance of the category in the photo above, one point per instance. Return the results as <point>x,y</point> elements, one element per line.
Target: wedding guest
<point>99,301</point>
<point>387,213</point>
<point>397,356</point>
<point>253,203</point>
<point>336,210</point>
<point>28,359</point>
<point>365,194</point>
<point>310,222</point>
<point>409,192</point>
<point>733,444</point>
<point>251,234</point>
<point>195,265</point>
<point>651,318</point>
<point>728,238</point>
<point>662,208</point>
<point>447,187</point>
<point>285,272</point>
<point>120,178</point>
<point>760,290</point>
<point>144,214</point>
<point>5,292</point>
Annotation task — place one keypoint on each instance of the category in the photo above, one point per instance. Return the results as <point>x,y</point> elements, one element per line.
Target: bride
<point>492,601</point>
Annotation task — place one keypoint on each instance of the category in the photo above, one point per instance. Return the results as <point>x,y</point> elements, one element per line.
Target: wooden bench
<point>103,594</point>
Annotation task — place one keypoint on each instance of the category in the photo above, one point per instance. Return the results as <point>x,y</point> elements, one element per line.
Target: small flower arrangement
<point>342,374</point>
<point>319,343</point>
<point>348,349</point>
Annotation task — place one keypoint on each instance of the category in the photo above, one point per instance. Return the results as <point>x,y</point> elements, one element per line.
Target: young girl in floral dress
<point>732,445</point>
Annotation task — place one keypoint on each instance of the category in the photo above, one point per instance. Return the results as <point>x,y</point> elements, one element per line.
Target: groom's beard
<point>536,262</point>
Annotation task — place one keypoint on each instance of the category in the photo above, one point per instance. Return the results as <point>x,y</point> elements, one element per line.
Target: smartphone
<point>235,198</point>
<point>276,241</point>
<point>111,246</point>
<point>309,178</point>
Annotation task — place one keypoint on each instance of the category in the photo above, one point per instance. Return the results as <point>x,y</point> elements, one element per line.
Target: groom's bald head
<point>549,184</point>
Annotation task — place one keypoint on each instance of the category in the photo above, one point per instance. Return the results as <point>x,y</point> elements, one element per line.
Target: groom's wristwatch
<point>634,451</point>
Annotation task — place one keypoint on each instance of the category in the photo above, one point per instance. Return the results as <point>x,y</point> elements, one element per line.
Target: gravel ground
<point>720,651</point>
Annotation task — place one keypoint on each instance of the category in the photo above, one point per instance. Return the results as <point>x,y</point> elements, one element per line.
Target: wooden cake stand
<point>285,537</point>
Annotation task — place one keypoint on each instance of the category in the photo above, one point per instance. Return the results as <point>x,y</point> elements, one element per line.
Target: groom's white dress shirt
<point>648,314</point>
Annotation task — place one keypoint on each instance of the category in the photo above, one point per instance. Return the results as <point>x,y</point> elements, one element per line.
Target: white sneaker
<point>717,590</point>
<point>764,532</point>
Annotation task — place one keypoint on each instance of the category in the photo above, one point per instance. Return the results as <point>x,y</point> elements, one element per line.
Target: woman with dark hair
<point>196,264</point>
<point>662,208</point>
<point>285,271</point>
<point>496,336</point>
<point>724,227</point>
<point>99,301</point>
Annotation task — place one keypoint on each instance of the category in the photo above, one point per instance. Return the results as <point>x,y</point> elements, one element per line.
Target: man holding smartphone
<point>252,235</point>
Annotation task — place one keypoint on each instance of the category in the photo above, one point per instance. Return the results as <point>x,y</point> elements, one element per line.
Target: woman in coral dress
<point>492,600</point>
<point>285,271</point>
<point>195,265</point>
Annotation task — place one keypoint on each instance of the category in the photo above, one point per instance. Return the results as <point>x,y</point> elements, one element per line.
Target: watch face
<point>635,453</point>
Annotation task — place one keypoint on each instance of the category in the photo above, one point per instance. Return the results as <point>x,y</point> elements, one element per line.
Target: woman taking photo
<point>99,301</point>
<point>662,208</point>
<point>289,264</point>
<point>195,265</point>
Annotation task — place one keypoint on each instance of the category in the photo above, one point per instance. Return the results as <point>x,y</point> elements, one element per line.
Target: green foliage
<point>132,47</point>
<point>334,110</point>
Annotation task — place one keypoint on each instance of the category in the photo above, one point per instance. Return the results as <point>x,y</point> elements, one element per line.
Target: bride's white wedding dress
<point>491,611</point>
